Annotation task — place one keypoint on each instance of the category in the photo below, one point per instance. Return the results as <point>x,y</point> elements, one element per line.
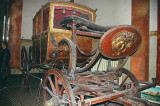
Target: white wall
<point>30,7</point>
<point>110,12</point>
<point>153,40</point>
<point>153,15</point>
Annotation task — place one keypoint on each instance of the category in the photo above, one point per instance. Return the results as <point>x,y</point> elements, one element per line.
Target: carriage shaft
<point>149,85</point>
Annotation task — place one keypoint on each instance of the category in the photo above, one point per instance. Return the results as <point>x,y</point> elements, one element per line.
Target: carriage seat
<point>82,24</point>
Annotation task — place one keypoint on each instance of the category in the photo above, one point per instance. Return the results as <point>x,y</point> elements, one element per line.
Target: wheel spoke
<point>56,83</point>
<point>62,90</point>
<point>51,83</point>
<point>123,81</point>
<point>49,91</point>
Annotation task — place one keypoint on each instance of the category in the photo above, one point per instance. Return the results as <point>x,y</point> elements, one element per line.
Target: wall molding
<point>153,33</point>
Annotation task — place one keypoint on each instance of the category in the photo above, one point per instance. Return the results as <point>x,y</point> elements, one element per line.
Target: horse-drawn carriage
<point>67,44</point>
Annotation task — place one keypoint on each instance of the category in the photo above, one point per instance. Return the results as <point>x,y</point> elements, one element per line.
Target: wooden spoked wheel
<point>24,67</point>
<point>30,54</point>
<point>127,80</point>
<point>67,57</point>
<point>24,59</point>
<point>57,90</point>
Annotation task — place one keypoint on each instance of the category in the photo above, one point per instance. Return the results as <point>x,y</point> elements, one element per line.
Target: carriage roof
<point>64,4</point>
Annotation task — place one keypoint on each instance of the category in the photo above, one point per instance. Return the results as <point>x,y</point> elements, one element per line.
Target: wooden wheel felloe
<point>67,57</point>
<point>57,89</point>
<point>126,81</point>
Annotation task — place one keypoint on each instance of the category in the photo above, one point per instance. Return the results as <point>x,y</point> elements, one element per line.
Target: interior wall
<point>153,39</point>
<point>30,7</point>
<point>110,12</point>
<point>15,33</point>
<point>158,47</point>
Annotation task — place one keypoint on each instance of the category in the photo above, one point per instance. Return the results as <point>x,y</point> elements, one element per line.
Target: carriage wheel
<point>57,90</point>
<point>67,57</point>
<point>24,59</point>
<point>25,67</point>
<point>125,80</point>
<point>31,54</point>
<point>128,80</point>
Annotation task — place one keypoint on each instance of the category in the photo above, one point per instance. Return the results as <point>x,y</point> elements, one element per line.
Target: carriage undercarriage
<point>67,84</point>
<point>92,88</point>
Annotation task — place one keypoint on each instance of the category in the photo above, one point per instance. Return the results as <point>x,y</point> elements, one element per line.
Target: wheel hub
<point>54,101</point>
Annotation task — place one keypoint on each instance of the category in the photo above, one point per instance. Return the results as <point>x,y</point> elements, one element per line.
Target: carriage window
<point>39,24</point>
<point>61,12</point>
<point>45,19</point>
<point>34,26</point>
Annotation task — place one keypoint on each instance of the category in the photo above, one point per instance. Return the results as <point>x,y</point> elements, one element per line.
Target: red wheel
<point>127,80</point>
<point>57,89</point>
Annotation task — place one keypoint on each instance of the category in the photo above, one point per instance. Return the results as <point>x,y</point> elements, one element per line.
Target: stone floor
<point>17,95</point>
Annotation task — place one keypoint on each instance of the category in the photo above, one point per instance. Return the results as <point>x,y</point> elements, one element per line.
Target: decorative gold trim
<point>73,5</point>
<point>123,40</point>
<point>153,33</point>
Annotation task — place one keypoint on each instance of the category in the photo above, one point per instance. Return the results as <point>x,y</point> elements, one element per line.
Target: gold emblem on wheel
<point>121,41</point>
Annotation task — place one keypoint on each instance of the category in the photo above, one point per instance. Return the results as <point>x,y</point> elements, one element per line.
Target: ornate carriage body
<point>47,22</point>
<point>64,34</point>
